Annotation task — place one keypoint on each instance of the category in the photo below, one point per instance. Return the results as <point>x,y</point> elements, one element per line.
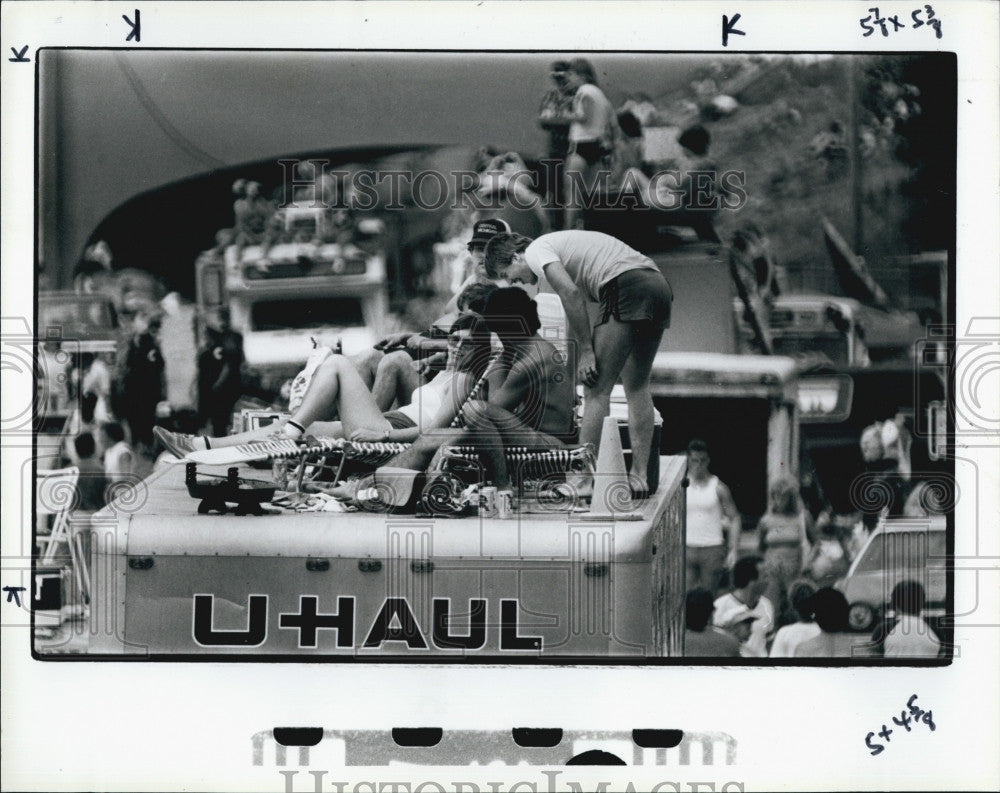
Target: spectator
<point>791,636</point>
<point>830,609</point>
<point>252,213</point>
<point>711,514</point>
<point>554,118</point>
<point>882,492</point>
<point>97,380</point>
<point>555,112</point>
<point>910,636</point>
<point>593,132</point>
<point>80,421</point>
<point>829,559</point>
<point>702,640</point>
<point>140,382</point>
<point>220,364</point>
<point>92,481</point>
<point>119,459</point>
<point>628,154</point>
<point>482,232</point>
<point>748,589</point>
<point>739,626</point>
<point>782,534</point>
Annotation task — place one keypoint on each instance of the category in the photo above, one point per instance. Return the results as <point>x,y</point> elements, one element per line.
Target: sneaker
<point>177,443</point>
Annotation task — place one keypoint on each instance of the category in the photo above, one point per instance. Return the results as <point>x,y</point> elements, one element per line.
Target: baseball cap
<point>485,230</point>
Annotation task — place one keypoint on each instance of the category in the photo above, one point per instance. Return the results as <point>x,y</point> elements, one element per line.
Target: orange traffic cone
<point>612,494</point>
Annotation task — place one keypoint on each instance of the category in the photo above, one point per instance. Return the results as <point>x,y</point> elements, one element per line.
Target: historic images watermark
<point>366,189</point>
<point>546,783</point>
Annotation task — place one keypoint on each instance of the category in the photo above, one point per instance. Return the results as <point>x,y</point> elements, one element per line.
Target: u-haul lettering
<point>394,622</point>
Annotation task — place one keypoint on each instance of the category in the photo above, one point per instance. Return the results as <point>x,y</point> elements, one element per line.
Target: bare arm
<point>732,516</point>
<point>576,313</point>
<point>514,389</point>
<point>581,109</point>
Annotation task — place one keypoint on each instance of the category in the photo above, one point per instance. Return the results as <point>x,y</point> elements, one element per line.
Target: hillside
<point>789,134</point>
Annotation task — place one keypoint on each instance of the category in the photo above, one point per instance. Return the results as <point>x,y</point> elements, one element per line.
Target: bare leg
<point>635,378</point>
<point>395,380</point>
<point>495,429</point>
<point>367,363</point>
<point>336,385</point>
<point>423,449</point>
<point>612,346</point>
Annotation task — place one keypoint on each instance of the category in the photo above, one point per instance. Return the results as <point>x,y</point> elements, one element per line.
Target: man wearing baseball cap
<point>482,232</point>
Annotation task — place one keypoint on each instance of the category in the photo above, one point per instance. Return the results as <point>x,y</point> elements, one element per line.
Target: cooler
<point>170,583</point>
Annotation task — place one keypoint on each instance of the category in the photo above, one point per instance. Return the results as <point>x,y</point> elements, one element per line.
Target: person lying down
<point>337,390</point>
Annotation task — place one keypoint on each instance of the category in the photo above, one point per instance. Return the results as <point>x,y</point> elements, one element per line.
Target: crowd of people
<point>531,396</point>
<point>781,602</point>
<point>488,375</point>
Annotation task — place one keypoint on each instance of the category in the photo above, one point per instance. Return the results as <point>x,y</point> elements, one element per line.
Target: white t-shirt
<point>791,636</point>
<point>911,637</point>
<point>756,646</point>
<point>598,123</point>
<point>590,257</point>
<point>119,461</point>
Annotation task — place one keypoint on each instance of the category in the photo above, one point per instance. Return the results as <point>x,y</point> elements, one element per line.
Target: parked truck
<point>286,298</point>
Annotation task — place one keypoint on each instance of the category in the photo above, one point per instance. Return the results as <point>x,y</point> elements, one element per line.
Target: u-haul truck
<point>168,583</point>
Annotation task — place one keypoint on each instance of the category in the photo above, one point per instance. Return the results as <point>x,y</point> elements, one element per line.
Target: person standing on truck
<point>711,515</point>
<point>635,301</point>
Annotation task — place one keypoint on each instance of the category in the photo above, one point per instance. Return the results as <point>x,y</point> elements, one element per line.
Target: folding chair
<point>56,495</point>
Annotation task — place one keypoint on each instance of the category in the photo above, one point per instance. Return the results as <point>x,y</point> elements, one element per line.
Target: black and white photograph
<point>692,431</point>
<point>373,366</point>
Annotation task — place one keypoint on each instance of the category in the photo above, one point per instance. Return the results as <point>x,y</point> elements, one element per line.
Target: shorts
<point>399,420</point>
<point>592,151</point>
<point>638,295</point>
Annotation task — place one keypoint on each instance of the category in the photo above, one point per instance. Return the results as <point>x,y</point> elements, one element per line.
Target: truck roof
<point>717,374</point>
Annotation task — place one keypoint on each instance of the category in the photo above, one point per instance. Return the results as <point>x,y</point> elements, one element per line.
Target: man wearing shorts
<point>635,302</point>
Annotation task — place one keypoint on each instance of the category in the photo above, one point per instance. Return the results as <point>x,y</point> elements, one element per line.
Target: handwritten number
<point>876,748</point>
<point>929,720</point>
<point>905,722</point>
<point>917,22</point>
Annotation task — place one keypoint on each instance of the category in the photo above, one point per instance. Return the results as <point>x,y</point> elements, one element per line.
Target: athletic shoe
<point>177,443</point>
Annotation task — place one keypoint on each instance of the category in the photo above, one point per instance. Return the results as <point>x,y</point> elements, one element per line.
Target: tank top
<point>426,400</point>
<point>704,514</point>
